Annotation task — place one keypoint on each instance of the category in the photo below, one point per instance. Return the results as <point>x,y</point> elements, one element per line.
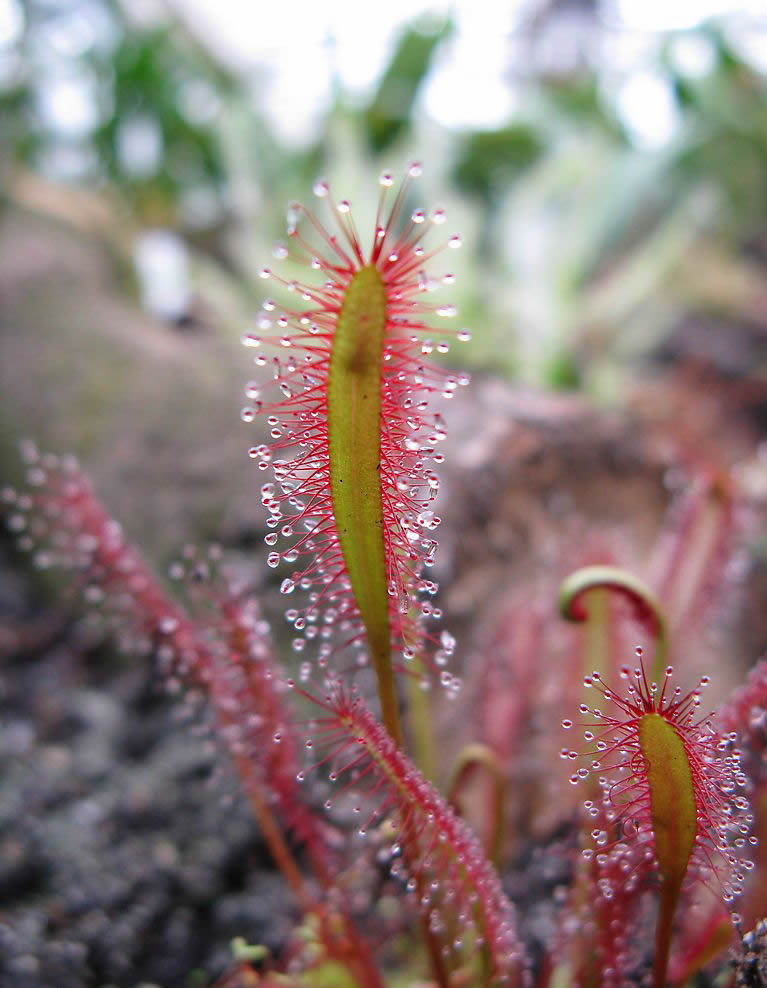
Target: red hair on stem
<point>433,851</point>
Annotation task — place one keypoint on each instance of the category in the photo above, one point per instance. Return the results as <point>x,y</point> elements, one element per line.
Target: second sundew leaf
<point>354,446</point>
<point>669,782</point>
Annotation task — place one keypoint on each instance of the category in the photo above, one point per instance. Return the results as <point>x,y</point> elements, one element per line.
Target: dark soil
<point>127,854</point>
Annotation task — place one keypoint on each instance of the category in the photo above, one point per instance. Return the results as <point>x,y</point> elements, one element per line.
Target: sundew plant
<point>655,864</point>
<point>354,439</point>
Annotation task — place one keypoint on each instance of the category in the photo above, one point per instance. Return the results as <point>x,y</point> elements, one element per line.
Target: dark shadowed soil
<point>127,853</point>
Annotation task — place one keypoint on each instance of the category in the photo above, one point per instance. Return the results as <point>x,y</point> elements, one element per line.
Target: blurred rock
<point>151,410</point>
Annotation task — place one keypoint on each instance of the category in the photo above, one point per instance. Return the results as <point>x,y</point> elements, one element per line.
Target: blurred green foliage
<point>487,161</point>
<point>726,140</point>
<point>388,115</point>
<point>147,79</point>
<point>584,247</point>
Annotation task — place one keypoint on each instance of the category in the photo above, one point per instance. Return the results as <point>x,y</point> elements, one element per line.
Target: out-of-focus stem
<point>272,834</point>
<point>581,584</point>
<point>472,757</point>
<point>669,897</point>
<point>597,631</point>
<point>419,723</point>
<point>700,539</point>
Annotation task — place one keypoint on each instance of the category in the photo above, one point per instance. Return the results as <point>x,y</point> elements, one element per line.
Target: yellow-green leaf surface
<point>354,441</point>
<point>674,822</point>
<point>672,795</point>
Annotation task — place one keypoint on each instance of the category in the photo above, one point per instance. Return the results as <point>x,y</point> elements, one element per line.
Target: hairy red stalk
<point>63,520</point>
<point>353,441</point>
<point>433,850</point>
<point>228,655</point>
